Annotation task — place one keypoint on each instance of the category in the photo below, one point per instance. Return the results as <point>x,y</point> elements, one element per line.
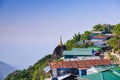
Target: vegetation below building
<point>33,72</point>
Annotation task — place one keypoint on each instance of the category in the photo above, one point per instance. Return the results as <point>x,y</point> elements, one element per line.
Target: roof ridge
<point>101,75</point>
<point>115,72</point>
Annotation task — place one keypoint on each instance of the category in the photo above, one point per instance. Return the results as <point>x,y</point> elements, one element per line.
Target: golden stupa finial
<point>60,43</point>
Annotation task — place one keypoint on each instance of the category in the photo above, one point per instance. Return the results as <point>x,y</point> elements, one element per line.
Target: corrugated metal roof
<point>81,49</point>
<point>97,76</point>
<point>47,69</point>
<point>79,63</point>
<point>83,52</point>
<point>95,48</point>
<point>104,75</point>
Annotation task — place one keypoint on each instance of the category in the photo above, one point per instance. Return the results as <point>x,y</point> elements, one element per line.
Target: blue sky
<point>30,29</point>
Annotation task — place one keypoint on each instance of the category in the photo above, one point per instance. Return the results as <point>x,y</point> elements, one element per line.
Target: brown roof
<point>79,63</point>
<point>98,36</point>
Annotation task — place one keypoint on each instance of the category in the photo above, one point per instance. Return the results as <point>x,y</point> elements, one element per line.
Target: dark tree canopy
<point>106,28</point>
<point>77,37</point>
<point>98,27</point>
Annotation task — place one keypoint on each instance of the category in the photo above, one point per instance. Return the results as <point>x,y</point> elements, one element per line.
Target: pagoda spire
<point>60,43</point>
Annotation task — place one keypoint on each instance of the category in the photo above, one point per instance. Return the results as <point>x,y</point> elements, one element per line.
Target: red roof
<point>98,36</point>
<point>79,63</point>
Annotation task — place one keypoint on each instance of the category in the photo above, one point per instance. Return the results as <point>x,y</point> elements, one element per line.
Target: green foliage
<point>70,44</point>
<point>118,68</point>
<point>113,42</point>
<point>20,75</point>
<point>106,28</point>
<point>33,72</point>
<point>116,29</point>
<point>86,35</point>
<point>98,27</point>
<point>76,37</point>
<point>73,42</point>
<point>85,45</point>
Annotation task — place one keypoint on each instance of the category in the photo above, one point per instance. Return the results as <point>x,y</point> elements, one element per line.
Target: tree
<point>86,35</point>
<point>113,42</point>
<point>98,27</point>
<point>106,28</point>
<point>70,44</point>
<point>77,37</point>
<point>116,29</point>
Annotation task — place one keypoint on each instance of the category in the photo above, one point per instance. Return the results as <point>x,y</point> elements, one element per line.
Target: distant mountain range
<point>5,69</point>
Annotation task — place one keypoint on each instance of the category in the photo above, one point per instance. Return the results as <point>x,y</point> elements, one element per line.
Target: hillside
<point>5,69</point>
<point>34,72</point>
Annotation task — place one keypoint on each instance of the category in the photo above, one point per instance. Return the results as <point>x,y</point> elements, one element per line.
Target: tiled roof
<point>79,63</point>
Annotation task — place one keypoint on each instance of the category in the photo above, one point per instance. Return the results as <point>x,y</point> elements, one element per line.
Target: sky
<point>30,29</point>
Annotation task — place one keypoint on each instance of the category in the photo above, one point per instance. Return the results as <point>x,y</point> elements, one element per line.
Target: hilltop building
<point>79,67</point>
<point>83,54</point>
